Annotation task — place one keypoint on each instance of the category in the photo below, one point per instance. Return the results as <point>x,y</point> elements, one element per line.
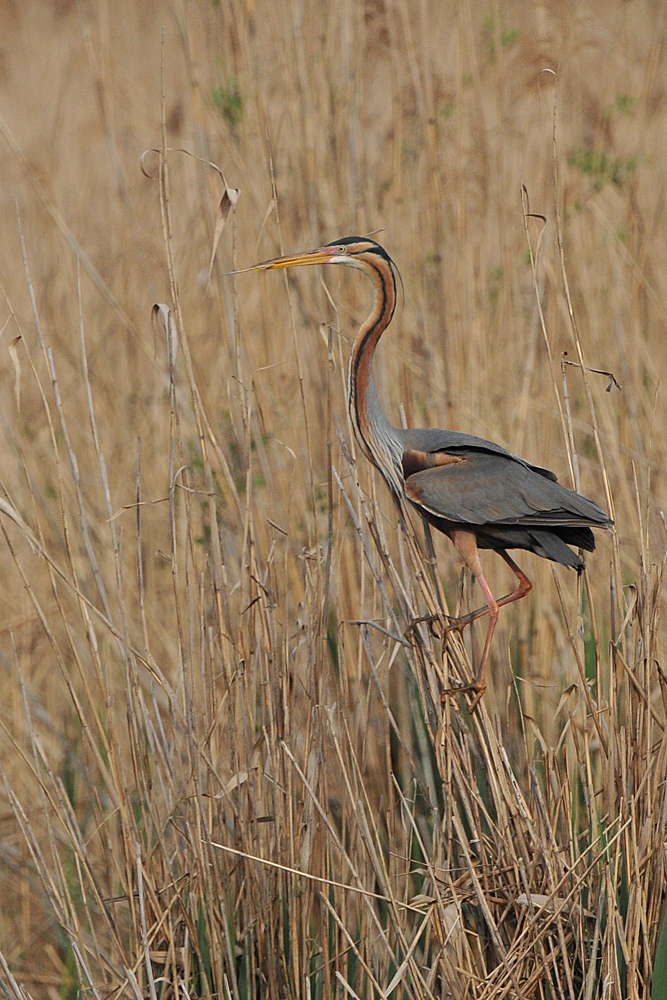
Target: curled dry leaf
<point>227,202</point>
<point>538,900</point>
<point>422,899</point>
<point>14,355</point>
<point>162,312</point>
<point>235,781</point>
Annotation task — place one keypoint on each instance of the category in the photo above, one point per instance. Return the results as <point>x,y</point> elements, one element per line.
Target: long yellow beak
<point>320,256</point>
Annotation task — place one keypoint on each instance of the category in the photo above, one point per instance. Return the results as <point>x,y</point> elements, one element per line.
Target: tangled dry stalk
<point>226,771</point>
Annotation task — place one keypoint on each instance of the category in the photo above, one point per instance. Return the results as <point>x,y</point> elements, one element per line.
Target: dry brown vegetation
<point>184,583</point>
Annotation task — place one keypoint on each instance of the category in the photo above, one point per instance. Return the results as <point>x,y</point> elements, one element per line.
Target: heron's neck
<point>380,440</point>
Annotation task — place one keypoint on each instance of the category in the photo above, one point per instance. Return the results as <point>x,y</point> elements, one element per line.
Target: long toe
<point>480,688</point>
<point>449,624</point>
<point>422,620</point>
<point>458,624</point>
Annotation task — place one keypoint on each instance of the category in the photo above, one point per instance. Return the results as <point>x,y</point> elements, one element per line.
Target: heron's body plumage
<point>529,510</point>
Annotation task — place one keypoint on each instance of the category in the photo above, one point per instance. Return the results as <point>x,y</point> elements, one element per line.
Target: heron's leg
<point>466,544</point>
<point>479,683</point>
<point>525,586</point>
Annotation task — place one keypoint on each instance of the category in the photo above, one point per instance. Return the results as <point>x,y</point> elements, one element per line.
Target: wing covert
<point>485,488</point>
<point>438,440</point>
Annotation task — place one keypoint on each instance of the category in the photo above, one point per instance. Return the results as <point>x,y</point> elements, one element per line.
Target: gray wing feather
<point>546,543</point>
<point>430,439</point>
<point>489,488</point>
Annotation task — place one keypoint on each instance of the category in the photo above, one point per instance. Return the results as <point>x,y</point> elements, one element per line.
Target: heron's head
<point>354,251</point>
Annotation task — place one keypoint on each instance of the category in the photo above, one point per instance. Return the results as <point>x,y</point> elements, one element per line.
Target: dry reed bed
<point>191,646</point>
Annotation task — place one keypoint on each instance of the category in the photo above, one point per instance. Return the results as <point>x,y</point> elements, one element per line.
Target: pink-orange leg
<point>466,543</point>
<point>525,587</point>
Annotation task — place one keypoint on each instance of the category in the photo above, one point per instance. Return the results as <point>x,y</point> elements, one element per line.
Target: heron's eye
<point>342,249</point>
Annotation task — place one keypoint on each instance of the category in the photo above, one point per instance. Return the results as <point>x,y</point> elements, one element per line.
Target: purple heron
<point>474,491</point>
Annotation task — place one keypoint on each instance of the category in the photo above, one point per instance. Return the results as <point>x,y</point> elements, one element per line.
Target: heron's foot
<point>448,623</point>
<point>476,686</point>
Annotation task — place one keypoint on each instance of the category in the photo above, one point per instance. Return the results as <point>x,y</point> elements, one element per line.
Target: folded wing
<point>485,488</point>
